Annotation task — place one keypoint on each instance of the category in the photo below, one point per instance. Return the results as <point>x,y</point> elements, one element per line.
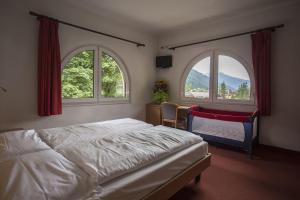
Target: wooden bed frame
<point>177,182</point>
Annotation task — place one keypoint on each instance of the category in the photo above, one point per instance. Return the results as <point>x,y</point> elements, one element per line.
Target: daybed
<point>118,159</point>
<point>237,129</point>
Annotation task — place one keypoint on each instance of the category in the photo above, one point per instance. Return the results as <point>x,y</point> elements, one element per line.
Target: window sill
<point>218,102</point>
<point>96,103</point>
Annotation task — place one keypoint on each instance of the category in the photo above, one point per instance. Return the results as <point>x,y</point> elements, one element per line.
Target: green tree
<point>112,79</point>
<point>188,87</point>
<point>243,91</point>
<point>223,90</point>
<point>77,76</point>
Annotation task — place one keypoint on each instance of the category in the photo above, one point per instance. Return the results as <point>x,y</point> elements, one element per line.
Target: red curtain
<point>261,56</point>
<point>49,69</point>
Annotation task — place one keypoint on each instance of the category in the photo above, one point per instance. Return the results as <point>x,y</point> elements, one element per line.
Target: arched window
<point>94,74</point>
<point>217,77</point>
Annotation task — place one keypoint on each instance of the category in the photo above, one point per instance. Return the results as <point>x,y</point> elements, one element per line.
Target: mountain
<point>232,82</point>
<point>199,80</point>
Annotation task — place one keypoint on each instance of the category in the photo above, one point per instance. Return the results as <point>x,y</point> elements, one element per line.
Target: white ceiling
<point>163,15</point>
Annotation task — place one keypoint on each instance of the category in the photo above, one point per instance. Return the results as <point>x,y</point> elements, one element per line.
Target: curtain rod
<point>272,28</point>
<point>87,29</point>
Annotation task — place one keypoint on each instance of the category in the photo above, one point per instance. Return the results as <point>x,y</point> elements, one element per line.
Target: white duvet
<point>82,157</point>
<point>114,155</point>
<point>30,169</point>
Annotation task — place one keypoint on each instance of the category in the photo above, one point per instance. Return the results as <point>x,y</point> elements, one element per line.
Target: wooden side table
<point>153,114</point>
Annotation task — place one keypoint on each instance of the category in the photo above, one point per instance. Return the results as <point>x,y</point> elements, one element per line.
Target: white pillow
<point>16,143</point>
<point>44,175</point>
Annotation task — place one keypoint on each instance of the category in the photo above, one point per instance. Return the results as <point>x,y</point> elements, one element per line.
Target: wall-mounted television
<point>164,61</point>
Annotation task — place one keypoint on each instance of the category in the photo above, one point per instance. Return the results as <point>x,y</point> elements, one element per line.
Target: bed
<point>237,129</point>
<point>118,159</point>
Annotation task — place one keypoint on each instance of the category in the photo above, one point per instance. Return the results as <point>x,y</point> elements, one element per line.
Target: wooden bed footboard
<point>177,182</point>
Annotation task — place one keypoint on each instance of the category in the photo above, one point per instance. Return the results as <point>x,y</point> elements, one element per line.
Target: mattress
<point>224,129</point>
<point>138,184</point>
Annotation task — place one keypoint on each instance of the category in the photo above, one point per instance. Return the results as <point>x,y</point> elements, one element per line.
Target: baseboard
<point>279,149</point>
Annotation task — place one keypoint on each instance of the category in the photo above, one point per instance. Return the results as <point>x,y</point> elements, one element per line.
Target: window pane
<point>78,76</point>
<point>197,82</point>
<point>112,78</point>
<point>233,79</point>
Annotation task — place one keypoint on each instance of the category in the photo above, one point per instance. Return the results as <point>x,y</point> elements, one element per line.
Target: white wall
<point>18,66</point>
<point>282,129</point>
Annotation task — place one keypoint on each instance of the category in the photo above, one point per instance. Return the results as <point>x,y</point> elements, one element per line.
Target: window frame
<point>213,82</point>
<point>97,97</point>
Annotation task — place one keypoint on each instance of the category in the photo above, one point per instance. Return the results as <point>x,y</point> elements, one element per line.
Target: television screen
<point>164,61</point>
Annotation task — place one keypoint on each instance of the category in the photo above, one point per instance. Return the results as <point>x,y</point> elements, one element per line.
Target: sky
<point>203,66</point>
<point>227,65</point>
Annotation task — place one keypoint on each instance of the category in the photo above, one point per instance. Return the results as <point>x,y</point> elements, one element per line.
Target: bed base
<point>169,188</point>
<point>197,179</point>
